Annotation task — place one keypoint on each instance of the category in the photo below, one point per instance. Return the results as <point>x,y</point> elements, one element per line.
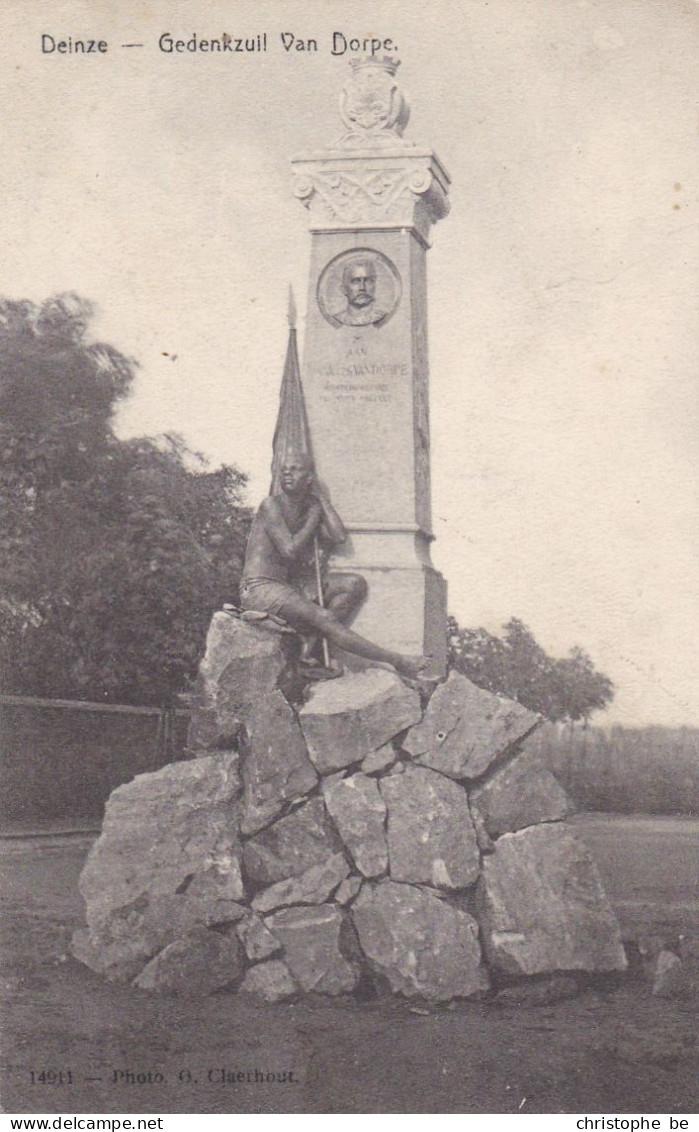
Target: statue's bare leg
<point>306,617</point>
<point>343,594</point>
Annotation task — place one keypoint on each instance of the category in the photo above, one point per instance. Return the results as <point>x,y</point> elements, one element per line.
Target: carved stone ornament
<point>360,192</point>
<point>372,107</point>
<point>371,177</point>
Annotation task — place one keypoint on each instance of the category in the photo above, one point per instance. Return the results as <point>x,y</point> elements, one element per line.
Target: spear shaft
<point>321,600</point>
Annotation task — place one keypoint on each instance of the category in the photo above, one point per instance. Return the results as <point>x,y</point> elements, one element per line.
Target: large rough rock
<point>671,978</point>
<point>257,940</point>
<point>542,907</point>
<point>380,760</point>
<point>312,887</point>
<point>483,839</point>
<point>465,729</point>
<point>291,846</point>
<point>421,944</point>
<point>194,965</point>
<point>345,720</point>
<point>666,980</point>
<point>243,662</point>
<point>311,941</point>
<point>359,812</point>
<point>520,794</point>
<point>347,891</point>
<point>272,982</point>
<point>431,838</point>
<point>275,765</point>
<point>167,862</point>
<point>281,884</point>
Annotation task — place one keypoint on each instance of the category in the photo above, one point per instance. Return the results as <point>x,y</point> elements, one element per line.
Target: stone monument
<point>362,834</point>
<point>372,199</point>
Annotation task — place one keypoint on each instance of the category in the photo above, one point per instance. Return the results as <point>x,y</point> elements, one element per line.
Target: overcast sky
<point>562,286</point>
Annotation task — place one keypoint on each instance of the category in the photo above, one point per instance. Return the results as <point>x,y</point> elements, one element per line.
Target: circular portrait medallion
<point>360,287</point>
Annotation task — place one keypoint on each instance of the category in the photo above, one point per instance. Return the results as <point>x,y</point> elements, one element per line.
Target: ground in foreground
<point>614,1049</point>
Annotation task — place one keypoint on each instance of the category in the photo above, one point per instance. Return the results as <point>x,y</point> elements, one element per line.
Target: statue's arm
<point>332,526</point>
<point>289,546</point>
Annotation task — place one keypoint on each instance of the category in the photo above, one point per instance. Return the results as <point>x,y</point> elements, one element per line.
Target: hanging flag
<point>292,438</point>
<point>291,435</point>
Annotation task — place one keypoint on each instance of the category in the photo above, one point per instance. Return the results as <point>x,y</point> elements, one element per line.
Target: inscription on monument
<point>359,375</point>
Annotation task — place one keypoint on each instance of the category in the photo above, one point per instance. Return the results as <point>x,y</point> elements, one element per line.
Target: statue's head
<point>359,282</point>
<point>296,473</point>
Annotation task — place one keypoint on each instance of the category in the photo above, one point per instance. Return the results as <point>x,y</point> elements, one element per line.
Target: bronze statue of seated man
<point>279,546</point>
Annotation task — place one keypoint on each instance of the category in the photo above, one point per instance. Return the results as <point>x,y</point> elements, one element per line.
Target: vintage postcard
<point>348,458</point>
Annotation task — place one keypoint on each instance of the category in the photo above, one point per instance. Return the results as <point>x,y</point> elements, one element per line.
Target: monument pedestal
<point>406,606</point>
<point>372,200</point>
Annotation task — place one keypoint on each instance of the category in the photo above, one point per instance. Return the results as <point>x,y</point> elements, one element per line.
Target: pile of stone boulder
<point>360,840</point>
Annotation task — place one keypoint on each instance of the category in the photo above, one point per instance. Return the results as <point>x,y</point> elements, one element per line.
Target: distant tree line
<point>515,665</point>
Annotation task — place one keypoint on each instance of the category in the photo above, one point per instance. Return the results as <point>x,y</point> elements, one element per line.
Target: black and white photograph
<point>349,680</point>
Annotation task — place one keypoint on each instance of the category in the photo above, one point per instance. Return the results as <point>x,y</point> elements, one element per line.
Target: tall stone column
<point>372,199</point>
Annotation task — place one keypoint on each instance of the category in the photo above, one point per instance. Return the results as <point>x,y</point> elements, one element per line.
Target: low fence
<point>63,758</point>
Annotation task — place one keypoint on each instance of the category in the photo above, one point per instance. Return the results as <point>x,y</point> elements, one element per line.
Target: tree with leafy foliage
<point>113,553</point>
<point>515,665</point>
